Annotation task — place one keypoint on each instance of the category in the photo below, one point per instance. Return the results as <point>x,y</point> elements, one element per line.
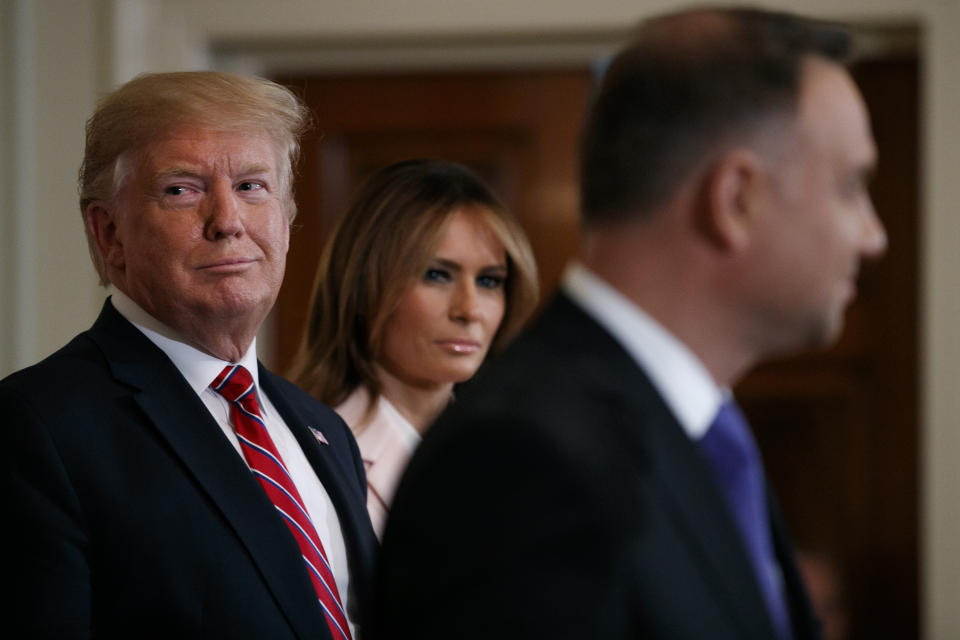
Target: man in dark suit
<point>597,481</point>
<point>148,501</point>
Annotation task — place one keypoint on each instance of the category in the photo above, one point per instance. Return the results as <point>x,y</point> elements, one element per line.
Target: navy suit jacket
<point>133,516</point>
<point>558,497</point>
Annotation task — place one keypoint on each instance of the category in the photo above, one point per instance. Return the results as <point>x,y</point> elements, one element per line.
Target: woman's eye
<point>436,275</point>
<point>490,282</point>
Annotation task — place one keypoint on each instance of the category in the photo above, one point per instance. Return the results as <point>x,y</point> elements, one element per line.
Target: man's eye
<point>174,190</point>
<point>250,186</point>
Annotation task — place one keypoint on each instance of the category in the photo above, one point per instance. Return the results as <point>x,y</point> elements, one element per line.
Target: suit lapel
<point>671,463</point>
<point>183,421</point>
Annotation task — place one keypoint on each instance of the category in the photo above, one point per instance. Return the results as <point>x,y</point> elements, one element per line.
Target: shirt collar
<point>678,375</point>
<point>197,367</point>
<point>406,431</point>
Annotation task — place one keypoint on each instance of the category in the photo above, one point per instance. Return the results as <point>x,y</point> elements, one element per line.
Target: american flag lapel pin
<point>322,439</point>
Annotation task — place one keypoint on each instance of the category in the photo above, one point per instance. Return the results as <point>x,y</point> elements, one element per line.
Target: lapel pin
<point>319,436</point>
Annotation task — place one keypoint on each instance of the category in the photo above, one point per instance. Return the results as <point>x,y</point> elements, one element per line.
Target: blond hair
<point>381,245</point>
<point>152,105</point>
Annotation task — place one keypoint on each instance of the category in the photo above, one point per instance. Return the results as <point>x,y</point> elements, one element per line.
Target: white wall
<point>51,67</point>
<point>940,309</point>
<point>56,56</point>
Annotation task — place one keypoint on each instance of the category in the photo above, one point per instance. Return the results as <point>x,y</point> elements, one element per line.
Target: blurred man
<point>598,481</point>
<point>163,483</point>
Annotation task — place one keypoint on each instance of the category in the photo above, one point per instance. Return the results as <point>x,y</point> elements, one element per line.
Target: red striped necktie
<point>236,385</point>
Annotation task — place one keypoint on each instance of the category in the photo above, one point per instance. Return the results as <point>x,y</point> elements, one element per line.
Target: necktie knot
<point>235,384</point>
<point>729,444</point>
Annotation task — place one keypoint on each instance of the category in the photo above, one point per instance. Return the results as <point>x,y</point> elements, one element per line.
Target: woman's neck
<point>420,405</point>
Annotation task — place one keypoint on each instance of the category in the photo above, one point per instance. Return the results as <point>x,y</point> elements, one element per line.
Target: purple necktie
<point>732,452</point>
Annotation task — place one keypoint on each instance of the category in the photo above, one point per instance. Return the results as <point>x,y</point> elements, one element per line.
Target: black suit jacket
<point>133,516</point>
<point>558,497</point>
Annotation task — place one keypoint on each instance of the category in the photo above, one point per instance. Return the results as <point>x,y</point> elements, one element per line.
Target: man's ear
<point>733,194</point>
<point>101,221</point>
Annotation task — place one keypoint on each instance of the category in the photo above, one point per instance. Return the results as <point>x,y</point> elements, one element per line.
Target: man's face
<point>200,233</point>
<point>819,221</point>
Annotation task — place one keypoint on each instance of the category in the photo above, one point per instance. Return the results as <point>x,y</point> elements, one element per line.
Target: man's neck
<point>230,351</point>
<point>221,338</point>
<point>686,304</point>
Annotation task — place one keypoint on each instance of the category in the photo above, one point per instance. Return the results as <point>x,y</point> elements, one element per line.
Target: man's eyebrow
<point>254,169</point>
<point>176,172</point>
<point>189,172</point>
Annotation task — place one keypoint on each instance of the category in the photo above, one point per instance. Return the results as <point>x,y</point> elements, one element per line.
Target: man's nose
<point>873,234</point>
<point>222,213</point>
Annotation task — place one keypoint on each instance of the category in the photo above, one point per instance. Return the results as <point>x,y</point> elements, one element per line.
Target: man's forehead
<point>832,111</point>
<point>191,149</point>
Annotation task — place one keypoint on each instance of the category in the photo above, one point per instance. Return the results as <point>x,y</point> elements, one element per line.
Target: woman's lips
<point>460,346</point>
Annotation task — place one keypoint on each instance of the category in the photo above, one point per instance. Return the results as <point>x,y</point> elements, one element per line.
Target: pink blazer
<point>386,440</point>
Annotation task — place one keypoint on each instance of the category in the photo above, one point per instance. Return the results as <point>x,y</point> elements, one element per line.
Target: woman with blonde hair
<point>424,273</point>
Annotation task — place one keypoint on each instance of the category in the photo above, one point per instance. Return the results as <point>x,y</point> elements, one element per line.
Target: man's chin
<point>817,334</point>
<point>236,297</point>
<point>827,332</point>
<point>237,308</point>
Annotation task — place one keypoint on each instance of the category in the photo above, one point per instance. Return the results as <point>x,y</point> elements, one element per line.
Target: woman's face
<point>443,327</point>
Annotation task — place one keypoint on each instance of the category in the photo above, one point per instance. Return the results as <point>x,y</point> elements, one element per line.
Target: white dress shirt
<point>678,375</point>
<point>199,369</point>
